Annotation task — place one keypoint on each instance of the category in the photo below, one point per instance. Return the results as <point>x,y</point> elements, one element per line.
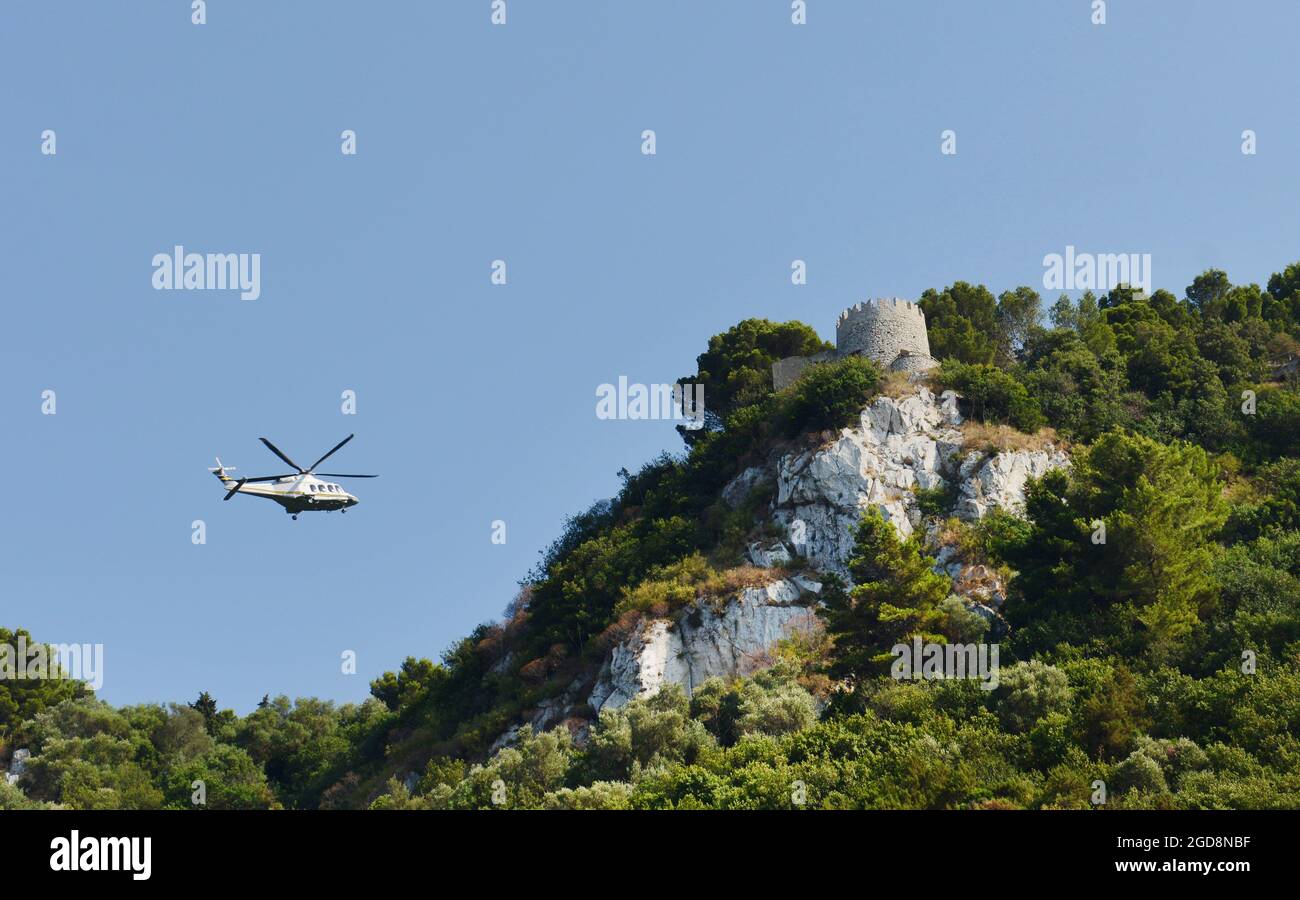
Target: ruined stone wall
<point>785,371</point>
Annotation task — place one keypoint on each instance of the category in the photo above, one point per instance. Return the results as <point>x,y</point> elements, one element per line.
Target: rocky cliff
<point>897,447</point>
<point>732,636</point>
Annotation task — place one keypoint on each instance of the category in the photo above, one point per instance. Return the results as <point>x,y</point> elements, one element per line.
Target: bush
<point>645,733</point>
<point>1139,772</point>
<point>827,396</point>
<point>937,501</point>
<point>770,703</point>
<point>991,395</point>
<point>1030,691</point>
<point>599,795</point>
<point>960,623</point>
<point>669,587</point>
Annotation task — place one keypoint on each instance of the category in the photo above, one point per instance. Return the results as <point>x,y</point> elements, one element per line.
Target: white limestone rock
<point>999,481</point>
<point>896,447</point>
<point>768,554</point>
<point>737,490</point>
<point>17,765</point>
<point>703,642</point>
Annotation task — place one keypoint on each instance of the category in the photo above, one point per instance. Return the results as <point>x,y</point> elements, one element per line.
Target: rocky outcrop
<point>768,554</point>
<point>17,765</point>
<point>897,447</point>
<point>728,639</point>
<point>979,586</point>
<point>999,481</point>
<point>737,490</point>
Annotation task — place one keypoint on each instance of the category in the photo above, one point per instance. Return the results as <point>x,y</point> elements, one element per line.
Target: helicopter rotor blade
<point>271,477</point>
<point>276,450</point>
<point>235,490</point>
<point>312,467</point>
<point>341,475</point>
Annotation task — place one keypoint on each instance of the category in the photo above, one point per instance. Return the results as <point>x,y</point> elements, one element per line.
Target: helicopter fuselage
<point>300,493</point>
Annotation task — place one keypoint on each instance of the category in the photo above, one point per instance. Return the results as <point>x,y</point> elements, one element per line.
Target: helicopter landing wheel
<point>295,517</point>
<point>342,511</point>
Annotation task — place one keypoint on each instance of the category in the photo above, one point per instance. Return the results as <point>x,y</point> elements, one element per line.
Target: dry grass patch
<point>991,438</point>
<point>899,385</point>
<point>677,585</point>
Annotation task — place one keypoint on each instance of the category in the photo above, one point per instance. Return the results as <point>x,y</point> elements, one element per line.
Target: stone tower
<point>890,331</point>
<point>886,330</point>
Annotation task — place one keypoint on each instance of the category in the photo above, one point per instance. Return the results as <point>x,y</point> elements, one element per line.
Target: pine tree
<point>206,707</point>
<point>897,596</point>
<point>1145,582</point>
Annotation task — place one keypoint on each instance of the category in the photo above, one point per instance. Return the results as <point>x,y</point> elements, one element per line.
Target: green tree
<point>1276,424</point>
<point>991,395</point>
<point>1113,717</point>
<point>1208,289</point>
<point>86,755</point>
<point>231,780</point>
<point>517,777</point>
<point>206,707</point>
<point>1161,505</point>
<point>646,733</point>
<point>409,685</point>
<point>962,322</point>
<point>300,744</point>
<point>897,595</point>
<point>1282,307</point>
<point>827,395</point>
<point>1030,691</point>
<point>1019,316</point>
<point>736,370</point>
<point>22,699</point>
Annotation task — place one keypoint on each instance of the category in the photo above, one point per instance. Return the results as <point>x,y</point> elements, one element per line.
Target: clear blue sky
<point>476,402</point>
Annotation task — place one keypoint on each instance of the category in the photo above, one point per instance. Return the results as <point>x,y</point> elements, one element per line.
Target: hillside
<point>1109,499</point>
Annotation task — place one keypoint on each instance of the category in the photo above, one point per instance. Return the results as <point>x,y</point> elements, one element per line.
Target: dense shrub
<point>827,395</point>
<point>988,394</point>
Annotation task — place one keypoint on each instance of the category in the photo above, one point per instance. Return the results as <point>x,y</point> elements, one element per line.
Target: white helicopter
<point>301,491</point>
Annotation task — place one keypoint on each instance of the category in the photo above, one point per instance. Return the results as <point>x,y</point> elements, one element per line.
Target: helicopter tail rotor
<point>220,471</point>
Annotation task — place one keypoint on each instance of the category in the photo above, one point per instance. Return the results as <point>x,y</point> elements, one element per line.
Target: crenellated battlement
<point>874,305</point>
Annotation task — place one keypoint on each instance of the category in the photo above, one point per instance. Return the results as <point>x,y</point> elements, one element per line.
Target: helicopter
<point>297,492</point>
